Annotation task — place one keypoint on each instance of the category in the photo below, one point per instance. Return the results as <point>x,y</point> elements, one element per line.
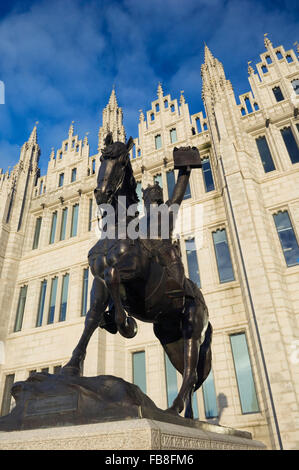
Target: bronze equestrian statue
<point>144,278</point>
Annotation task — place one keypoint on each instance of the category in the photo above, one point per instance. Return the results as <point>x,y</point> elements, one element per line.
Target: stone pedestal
<point>133,434</point>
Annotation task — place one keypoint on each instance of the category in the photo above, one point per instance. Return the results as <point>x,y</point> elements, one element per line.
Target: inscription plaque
<point>52,404</point>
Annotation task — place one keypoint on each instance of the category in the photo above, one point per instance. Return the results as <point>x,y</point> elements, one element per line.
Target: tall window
<point>170,182</point>
<point>84,292</point>
<point>187,194</point>
<point>90,215</point>
<point>64,295</point>
<point>295,84</point>
<point>171,381</point>
<point>192,261</point>
<point>224,263</point>
<point>158,178</point>
<point>93,166</point>
<point>265,154</point>
<point>74,175</point>
<point>53,228</point>
<point>209,397</point>
<point>38,224</point>
<point>41,303</point>
<point>287,238</point>
<point>207,175</point>
<point>173,136</point>
<point>291,144</point>
<point>52,304</point>
<point>6,401</point>
<point>74,227</point>
<point>278,93</point>
<point>158,142</point>
<point>61,179</point>
<point>21,308</point>
<point>139,370</point>
<point>63,223</point>
<point>246,386</point>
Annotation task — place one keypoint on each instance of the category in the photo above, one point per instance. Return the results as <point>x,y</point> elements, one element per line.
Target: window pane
<point>171,381</point>
<point>158,142</point>
<point>207,175</point>
<point>20,309</point>
<point>6,401</point>
<point>287,238</point>
<point>74,175</point>
<point>170,182</point>
<point>173,137</point>
<point>90,215</point>
<point>53,228</point>
<point>265,154</point>
<point>74,227</point>
<point>37,232</point>
<point>278,93</point>
<point>290,144</point>
<point>192,261</point>
<point>61,179</point>
<point>244,375</point>
<point>159,179</point>
<point>209,397</point>
<point>51,312</point>
<point>41,304</point>
<point>63,223</point>
<point>187,194</point>
<point>64,295</point>
<point>84,292</point>
<point>139,371</point>
<point>225,269</point>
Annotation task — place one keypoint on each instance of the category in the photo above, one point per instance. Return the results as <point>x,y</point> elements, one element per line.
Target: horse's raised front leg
<point>99,298</point>
<point>126,326</point>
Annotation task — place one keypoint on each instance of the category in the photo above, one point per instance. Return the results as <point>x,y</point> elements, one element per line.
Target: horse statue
<point>144,278</point>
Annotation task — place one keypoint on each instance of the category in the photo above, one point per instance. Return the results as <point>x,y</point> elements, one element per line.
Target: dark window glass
<point>53,227</point>
<point>63,223</point>
<point>166,104</point>
<point>74,227</point>
<point>38,224</point>
<point>207,175</point>
<point>41,303</point>
<point>139,370</point>
<point>192,261</point>
<point>287,238</point>
<point>90,215</point>
<point>61,179</point>
<point>51,312</point>
<point>64,295</point>
<point>93,166</point>
<point>157,108</point>
<point>279,55</point>
<point>278,93</point>
<point>248,105</point>
<point>243,112</point>
<point>198,125</point>
<point>264,69</point>
<point>84,292</point>
<point>209,397</point>
<point>268,59</point>
<point>172,108</point>
<point>291,144</point>
<point>289,58</point>
<point>152,117</point>
<point>6,400</point>
<point>170,182</point>
<point>256,106</point>
<point>265,154</point>
<point>224,264</point>
<point>74,175</point>
<point>20,309</point>
<point>246,387</point>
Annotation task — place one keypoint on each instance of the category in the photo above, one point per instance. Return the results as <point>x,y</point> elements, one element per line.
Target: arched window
<point>152,117</point>
<point>205,126</point>
<point>166,104</point>
<point>198,125</point>
<point>243,112</point>
<point>268,59</point>
<point>256,106</point>
<point>172,108</point>
<point>157,108</point>
<point>278,93</point>
<point>248,105</point>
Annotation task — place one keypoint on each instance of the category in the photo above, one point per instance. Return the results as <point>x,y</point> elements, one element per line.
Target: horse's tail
<point>205,357</point>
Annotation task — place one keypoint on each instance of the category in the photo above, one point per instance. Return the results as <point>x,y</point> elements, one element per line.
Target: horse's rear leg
<point>98,300</point>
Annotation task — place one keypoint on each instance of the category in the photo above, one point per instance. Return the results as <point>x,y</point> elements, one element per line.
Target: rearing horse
<point>130,281</point>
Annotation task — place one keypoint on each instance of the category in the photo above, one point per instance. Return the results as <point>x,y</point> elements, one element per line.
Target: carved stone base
<point>135,434</point>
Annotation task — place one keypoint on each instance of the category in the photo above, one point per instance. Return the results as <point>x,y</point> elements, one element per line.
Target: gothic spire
<point>112,122</point>
<point>33,136</point>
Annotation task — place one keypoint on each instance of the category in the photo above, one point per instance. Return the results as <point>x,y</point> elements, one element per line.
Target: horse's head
<point>114,162</point>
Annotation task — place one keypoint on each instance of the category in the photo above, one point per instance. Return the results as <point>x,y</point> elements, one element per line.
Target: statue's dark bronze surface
<point>144,279</point>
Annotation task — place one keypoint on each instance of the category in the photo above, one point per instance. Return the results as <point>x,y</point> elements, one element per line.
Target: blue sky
<point>59,59</point>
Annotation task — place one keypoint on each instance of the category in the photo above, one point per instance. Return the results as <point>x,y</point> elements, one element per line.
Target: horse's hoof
<point>129,329</point>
